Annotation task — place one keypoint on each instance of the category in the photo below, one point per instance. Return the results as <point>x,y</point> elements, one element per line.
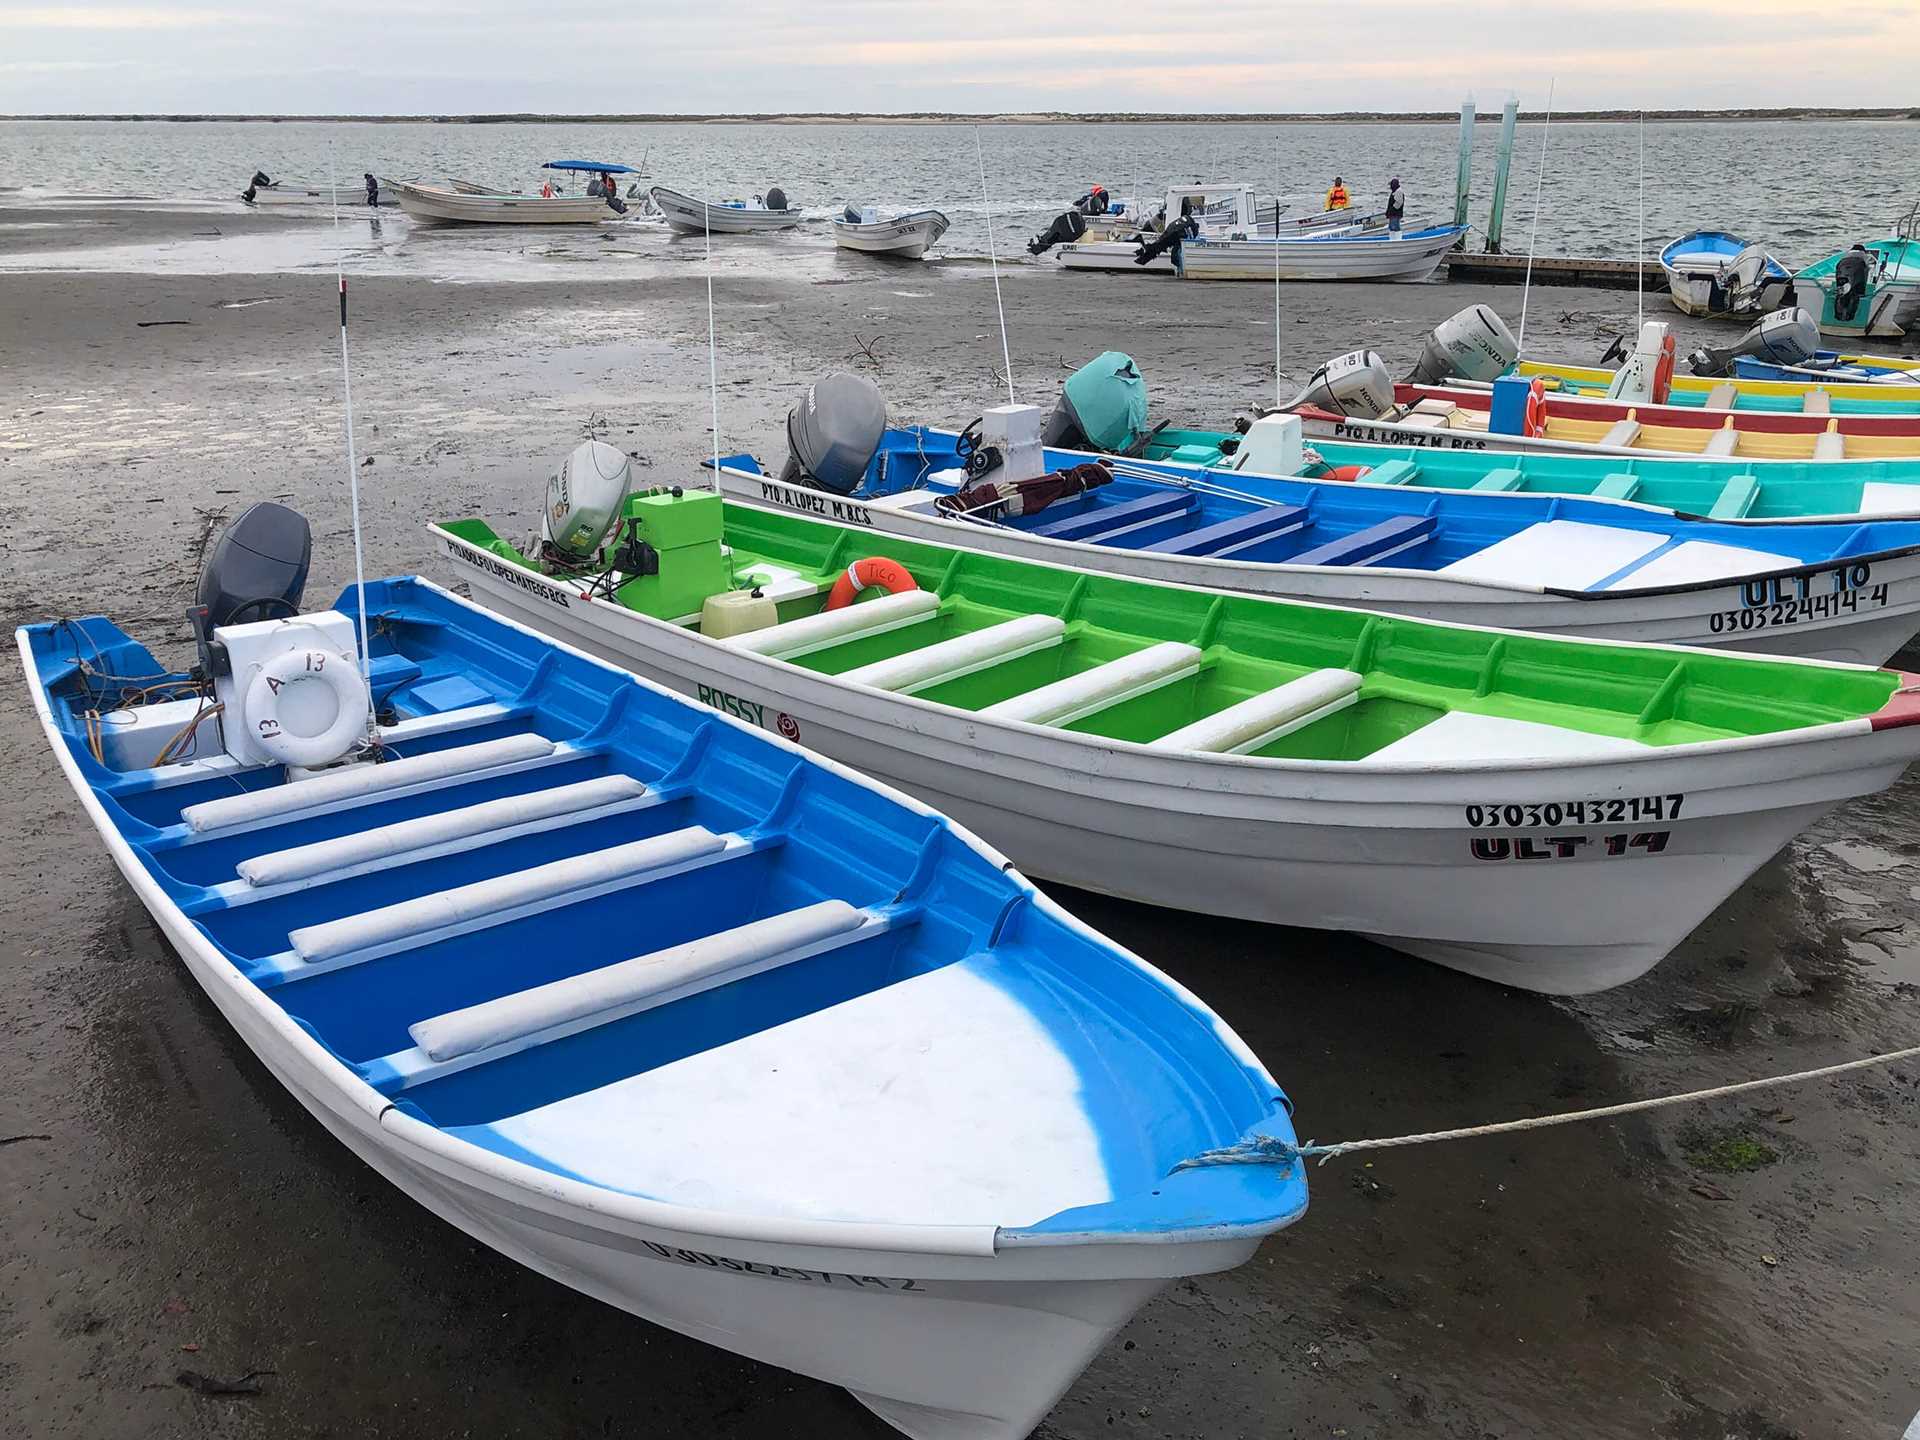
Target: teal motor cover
<point>1103,406</point>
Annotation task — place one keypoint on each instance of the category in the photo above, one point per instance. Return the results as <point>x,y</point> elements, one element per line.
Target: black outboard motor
<point>834,433</point>
<point>1786,337</point>
<point>1067,226</point>
<point>850,215</point>
<point>1177,233</point>
<point>257,570</point>
<point>1850,282</point>
<point>776,199</point>
<point>260,178</point>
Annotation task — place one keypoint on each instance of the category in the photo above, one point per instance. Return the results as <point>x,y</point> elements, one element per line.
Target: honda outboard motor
<point>1473,345</point>
<point>1067,226</point>
<point>1356,383</point>
<point>1103,406</point>
<point>834,433</point>
<point>257,569</point>
<point>1742,278</point>
<point>1850,278</point>
<point>776,199</point>
<point>584,497</point>
<point>1786,337</point>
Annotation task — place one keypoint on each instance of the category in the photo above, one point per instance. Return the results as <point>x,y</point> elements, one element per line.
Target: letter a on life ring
<point>284,676</point>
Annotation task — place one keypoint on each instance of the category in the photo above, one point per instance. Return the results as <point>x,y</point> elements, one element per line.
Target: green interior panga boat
<point>1551,813</point>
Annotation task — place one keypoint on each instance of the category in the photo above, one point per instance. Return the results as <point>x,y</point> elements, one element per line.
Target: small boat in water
<point>1222,211</point>
<point>457,202</point>
<point>662,1007</point>
<point>909,236</point>
<point>1710,272</point>
<point>694,216</point>
<point>1869,289</point>
<point>1411,257</point>
<point>1838,590</point>
<point>1549,813</point>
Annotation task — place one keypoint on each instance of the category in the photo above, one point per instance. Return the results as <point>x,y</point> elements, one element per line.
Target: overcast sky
<point>643,56</point>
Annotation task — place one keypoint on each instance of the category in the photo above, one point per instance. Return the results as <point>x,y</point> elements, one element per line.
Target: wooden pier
<point>1497,269</point>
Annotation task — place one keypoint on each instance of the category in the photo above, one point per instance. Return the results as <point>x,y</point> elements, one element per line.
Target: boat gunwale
<point>524,1183</point>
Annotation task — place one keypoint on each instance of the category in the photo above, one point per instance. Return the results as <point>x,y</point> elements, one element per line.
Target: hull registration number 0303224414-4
<point>1801,599</point>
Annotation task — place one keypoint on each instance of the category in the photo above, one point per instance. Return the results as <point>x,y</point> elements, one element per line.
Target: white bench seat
<point>1261,719</point>
<point>791,639</point>
<point>385,842</point>
<point>1102,687</point>
<point>361,781</point>
<point>627,987</point>
<point>485,901</point>
<point>961,655</point>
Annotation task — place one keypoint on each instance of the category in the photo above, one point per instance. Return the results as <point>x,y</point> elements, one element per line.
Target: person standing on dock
<point>1396,206</point>
<point>1337,197</point>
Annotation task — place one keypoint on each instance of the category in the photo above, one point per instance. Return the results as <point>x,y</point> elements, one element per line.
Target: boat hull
<point>451,207</point>
<point>1889,312</point>
<point>946,1338</point>
<point>1410,258</point>
<point>689,215</point>
<point>1418,861</point>
<point>909,236</point>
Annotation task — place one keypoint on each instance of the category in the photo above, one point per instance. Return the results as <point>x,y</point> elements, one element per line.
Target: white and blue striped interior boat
<point>665,1007</point>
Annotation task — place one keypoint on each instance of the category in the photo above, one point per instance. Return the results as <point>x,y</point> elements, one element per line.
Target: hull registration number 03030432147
<point>1534,814</point>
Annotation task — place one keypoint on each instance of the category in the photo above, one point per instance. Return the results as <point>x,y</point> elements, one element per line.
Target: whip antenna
<point>993,259</point>
<point>1279,400</point>
<point>1533,237</point>
<point>713,358</point>
<point>353,459</point>
<point>1640,251</point>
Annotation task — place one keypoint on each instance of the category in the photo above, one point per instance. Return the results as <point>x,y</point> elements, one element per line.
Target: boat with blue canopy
<point>659,1004</point>
<point>1841,590</point>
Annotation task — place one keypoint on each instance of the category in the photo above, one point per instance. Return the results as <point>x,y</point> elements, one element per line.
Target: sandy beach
<point>169,1208</point>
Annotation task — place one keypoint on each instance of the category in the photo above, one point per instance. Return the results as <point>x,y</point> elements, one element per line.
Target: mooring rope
<point>1270,1150</point>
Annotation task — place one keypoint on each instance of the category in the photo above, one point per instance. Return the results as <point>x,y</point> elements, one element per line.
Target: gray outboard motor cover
<point>834,432</point>
<point>776,199</point>
<point>1785,337</point>
<point>262,555</point>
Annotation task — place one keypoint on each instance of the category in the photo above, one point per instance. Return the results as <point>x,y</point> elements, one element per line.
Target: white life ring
<point>307,666</point>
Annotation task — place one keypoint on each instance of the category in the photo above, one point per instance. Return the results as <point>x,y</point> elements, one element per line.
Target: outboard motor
<point>1176,234</point>
<point>1786,337</point>
<point>584,497</point>
<point>1473,345</point>
<point>1850,277</point>
<point>1742,278</point>
<point>1646,374</point>
<point>1067,226</point>
<point>257,569</point>
<point>1103,406</point>
<point>1356,383</point>
<point>850,215</point>
<point>260,178</point>
<point>834,433</point>
<point>776,199</point>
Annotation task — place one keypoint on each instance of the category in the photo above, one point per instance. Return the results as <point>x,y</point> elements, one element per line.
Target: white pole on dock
<point>1640,246</point>
<point>1463,181</point>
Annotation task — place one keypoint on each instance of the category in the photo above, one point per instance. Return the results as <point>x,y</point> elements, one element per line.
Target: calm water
<point>1804,189</point>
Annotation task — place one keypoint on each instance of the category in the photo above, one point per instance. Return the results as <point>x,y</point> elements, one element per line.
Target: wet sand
<point>185,1213</point>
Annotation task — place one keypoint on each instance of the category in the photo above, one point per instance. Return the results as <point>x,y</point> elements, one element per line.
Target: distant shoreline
<point>1354,117</point>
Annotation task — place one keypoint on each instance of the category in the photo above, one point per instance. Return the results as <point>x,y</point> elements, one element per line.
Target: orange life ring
<point>1535,424</point>
<point>1663,372</point>
<point>890,575</point>
<point>1346,472</point>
